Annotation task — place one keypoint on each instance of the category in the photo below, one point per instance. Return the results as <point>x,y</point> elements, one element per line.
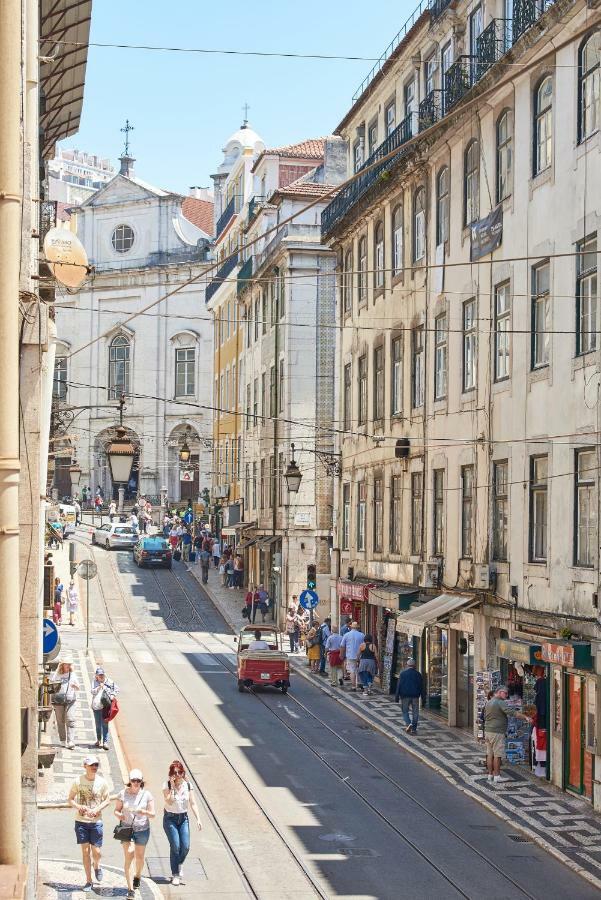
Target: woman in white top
<point>72,601</point>
<point>63,702</point>
<point>135,808</point>
<point>179,797</point>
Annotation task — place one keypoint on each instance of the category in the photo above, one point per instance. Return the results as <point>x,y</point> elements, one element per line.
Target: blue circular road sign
<point>49,636</point>
<point>308,599</point>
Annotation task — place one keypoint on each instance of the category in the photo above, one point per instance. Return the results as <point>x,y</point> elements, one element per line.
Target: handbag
<point>109,712</point>
<point>60,697</point>
<point>124,833</point>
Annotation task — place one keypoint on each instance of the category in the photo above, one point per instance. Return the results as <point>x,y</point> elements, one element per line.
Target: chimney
<point>201,193</point>
<point>127,165</point>
<point>334,160</point>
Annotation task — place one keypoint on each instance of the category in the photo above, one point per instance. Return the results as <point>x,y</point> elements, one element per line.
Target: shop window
<point>438,669</point>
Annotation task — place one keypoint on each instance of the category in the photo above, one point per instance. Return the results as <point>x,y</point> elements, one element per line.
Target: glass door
<point>476,28</point>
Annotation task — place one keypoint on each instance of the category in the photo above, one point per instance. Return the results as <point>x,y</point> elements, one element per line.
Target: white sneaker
<point>181,876</point>
<point>175,880</point>
<point>498,779</point>
<point>490,778</point>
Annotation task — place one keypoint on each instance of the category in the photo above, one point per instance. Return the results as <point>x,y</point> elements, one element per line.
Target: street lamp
<point>75,475</point>
<point>184,453</point>
<point>121,453</point>
<point>293,474</point>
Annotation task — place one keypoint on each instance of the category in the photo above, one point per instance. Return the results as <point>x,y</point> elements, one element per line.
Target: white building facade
<point>147,254</point>
<point>74,175</point>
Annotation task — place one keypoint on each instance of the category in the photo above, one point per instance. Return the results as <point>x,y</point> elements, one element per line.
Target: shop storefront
<point>526,675</point>
<point>385,605</point>
<point>352,601</point>
<point>573,712</point>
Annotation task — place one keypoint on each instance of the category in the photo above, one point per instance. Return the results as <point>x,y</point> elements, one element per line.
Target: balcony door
<point>476,28</point>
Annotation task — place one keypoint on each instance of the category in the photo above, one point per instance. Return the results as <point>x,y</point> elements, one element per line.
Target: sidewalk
<point>563,824</point>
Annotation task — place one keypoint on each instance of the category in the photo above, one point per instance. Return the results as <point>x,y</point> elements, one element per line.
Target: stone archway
<point>102,470</point>
<point>176,488</point>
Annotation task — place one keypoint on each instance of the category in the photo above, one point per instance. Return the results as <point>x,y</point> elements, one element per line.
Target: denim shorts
<point>89,833</point>
<point>141,837</point>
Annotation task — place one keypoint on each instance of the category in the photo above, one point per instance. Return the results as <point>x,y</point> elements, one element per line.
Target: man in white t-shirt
<point>258,643</point>
<point>88,796</point>
<point>349,646</point>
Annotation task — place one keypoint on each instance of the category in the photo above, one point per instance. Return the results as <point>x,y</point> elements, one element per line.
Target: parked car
<point>115,535</point>
<point>262,667</point>
<point>152,551</point>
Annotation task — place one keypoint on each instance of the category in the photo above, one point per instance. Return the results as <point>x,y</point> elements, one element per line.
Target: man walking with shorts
<point>88,796</point>
<point>349,646</point>
<point>496,713</point>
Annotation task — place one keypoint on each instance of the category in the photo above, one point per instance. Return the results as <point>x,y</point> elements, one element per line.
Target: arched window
<point>504,155</point>
<point>118,367</point>
<point>589,85</point>
<point>379,256</point>
<point>543,125</point>
<point>362,274</point>
<point>347,282</point>
<point>419,224</point>
<point>442,206</point>
<point>471,182</point>
<point>397,240</point>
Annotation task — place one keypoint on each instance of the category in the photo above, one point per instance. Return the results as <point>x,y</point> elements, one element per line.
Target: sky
<point>184,106</point>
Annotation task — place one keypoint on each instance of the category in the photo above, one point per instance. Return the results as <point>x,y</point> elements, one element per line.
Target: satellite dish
<point>66,257</point>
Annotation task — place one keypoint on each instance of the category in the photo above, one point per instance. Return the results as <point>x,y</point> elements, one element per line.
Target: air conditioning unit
<point>431,571</point>
<point>481,575</point>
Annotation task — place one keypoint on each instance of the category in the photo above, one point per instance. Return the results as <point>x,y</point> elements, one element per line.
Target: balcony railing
<point>457,81</point>
<point>224,218</point>
<point>48,210</point>
<point>431,109</point>
<point>244,275</point>
<point>491,45</point>
<point>220,276</point>
<point>254,206</point>
<point>437,7</point>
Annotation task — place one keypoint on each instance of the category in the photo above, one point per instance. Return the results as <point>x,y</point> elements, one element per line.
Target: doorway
<point>465,679</point>
<point>579,762</point>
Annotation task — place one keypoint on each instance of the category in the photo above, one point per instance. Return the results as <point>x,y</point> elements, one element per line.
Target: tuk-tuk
<point>67,513</point>
<point>262,666</point>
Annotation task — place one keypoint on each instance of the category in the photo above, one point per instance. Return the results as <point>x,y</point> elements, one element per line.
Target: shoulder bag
<point>60,697</point>
<point>124,833</point>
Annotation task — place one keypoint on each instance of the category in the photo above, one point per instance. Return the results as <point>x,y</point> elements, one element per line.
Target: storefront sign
<point>519,651</point>
<point>576,654</point>
<point>487,234</point>
<point>352,590</point>
<point>302,519</point>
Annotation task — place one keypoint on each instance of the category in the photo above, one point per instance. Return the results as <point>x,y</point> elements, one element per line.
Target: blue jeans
<point>177,828</point>
<point>412,702</point>
<point>322,657</point>
<point>102,727</point>
<point>367,679</point>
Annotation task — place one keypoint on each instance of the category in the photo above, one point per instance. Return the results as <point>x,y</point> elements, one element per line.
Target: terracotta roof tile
<point>306,189</point>
<point>309,149</point>
<point>62,211</point>
<point>200,213</point>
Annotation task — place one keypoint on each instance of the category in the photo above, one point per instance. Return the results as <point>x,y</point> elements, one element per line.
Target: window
<point>541,315</point>
<point>395,513</point>
<point>416,513</point>
<point>254,491</point>
<point>397,240</point>
<point>281,387</point>
<point>396,378</point>
<point>476,24</point>
<point>587,301</point>
<point>257,318</point>
<point>417,367</point>
<point>410,105</point>
<point>372,138</point>
<point>362,376</point>
<point>262,485</point>
<point>585,508</point>
<point>361,516</point>
<point>504,155</point>
<point>346,516</point>
<point>249,421</point>
<point>347,282</point>
<point>429,74</point>
<point>185,372</point>
<point>469,345</point>
<point>362,273</point>
<point>471,183</point>
<point>256,402</point>
<point>378,383</point>
<point>440,357</point>
<point>247,485</point>
<point>273,407</point>
<point>467,510</point>
<point>500,510</point>
<point>248,312</point>
<point>264,311</point>
<point>59,385</point>
<point>347,399</point>
<point>589,92</point>
<point>358,155</point>
<point>390,118</point>
<point>442,206</point>
<point>118,367</point>
<point>122,238</point>
<point>271,485</point>
<point>543,125</point>
<point>264,398</point>
<point>379,256</point>
<point>378,514</point>
<point>227,461</point>
<point>438,501</point>
<point>446,60</point>
<point>281,470</point>
<point>538,508</point>
<point>502,328</point>
<point>419,225</point>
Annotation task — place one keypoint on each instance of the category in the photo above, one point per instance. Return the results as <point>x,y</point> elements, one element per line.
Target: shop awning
<point>418,617</point>
<point>244,544</point>
<point>393,596</point>
<point>265,543</point>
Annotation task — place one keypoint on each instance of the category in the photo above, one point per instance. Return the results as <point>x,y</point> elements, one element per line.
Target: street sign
<point>49,636</point>
<point>87,569</point>
<point>308,599</point>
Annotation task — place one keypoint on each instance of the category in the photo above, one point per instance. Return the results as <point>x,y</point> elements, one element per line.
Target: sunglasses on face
<point>136,780</point>
<point>93,765</point>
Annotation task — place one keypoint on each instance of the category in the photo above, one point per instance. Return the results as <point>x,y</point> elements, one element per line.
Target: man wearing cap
<point>88,796</point>
<point>409,690</point>
<point>496,713</point>
<point>349,647</point>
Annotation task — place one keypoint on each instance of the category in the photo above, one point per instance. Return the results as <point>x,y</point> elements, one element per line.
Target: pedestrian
<point>313,649</point>
<point>134,809</point>
<point>346,626</point>
<point>186,544</point>
<point>368,663</point>
<point>349,649</point>
<point>103,691</point>
<point>229,572</point>
<point>324,632</point>
<point>72,601</point>
<point>84,494</point>
<point>496,713</point>
<point>88,796</point>
<point>216,551</point>
<point>77,508</point>
<point>134,521</point>
<point>263,598</point>
<point>409,689</point>
<point>205,562</point>
<point>63,701</point>
<point>291,628</point>
<point>334,660</point>
<point>179,798</point>
<point>59,599</point>
<point>238,571</point>
<point>173,537</point>
<point>303,621</point>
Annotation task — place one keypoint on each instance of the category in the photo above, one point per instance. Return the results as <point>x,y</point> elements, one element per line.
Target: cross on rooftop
<point>126,131</point>
<point>245,109</point>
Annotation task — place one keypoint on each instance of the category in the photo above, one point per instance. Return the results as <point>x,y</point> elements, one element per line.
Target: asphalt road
<point>301,798</point>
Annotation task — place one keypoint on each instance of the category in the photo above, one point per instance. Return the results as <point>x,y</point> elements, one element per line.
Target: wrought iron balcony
<point>431,109</point>
<point>244,275</point>
<point>525,14</point>
<point>491,45</point>
<point>224,218</point>
<point>220,276</point>
<point>254,206</point>
<point>457,81</point>
<point>437,7</point>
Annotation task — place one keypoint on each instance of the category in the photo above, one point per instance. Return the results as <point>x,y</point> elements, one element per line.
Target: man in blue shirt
<point>409,689</point>
<point>349,647</point>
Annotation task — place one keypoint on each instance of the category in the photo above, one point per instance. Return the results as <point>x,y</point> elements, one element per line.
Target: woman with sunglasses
<point>179,798</point>
<point>134,809</point>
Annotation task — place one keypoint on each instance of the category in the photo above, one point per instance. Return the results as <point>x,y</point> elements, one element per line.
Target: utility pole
<point>11,200</point>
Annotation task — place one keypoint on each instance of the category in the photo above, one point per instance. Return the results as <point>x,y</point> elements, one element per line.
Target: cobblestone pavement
<point>563,824</point>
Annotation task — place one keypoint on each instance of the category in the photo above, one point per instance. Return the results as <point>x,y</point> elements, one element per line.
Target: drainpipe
<point>10,254</point>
